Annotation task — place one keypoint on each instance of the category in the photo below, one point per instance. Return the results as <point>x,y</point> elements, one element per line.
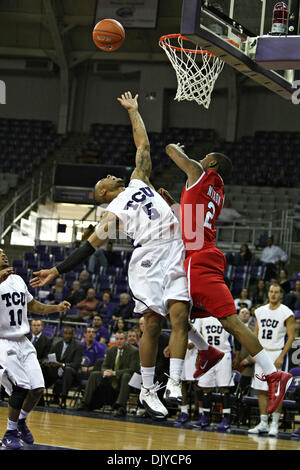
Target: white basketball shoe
<point>173,392</point>
<point>151,402</point>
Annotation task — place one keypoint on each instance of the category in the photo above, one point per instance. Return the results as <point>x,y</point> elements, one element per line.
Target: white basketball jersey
<point>215,335</point>
<point>271,325</point>
<point>145,215</point>
<point>14,297</point>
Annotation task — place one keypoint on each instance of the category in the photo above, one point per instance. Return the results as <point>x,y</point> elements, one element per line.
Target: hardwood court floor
<point>71,431</point>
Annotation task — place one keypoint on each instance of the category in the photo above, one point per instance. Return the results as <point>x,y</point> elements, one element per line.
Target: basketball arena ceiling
<point>55,28</point>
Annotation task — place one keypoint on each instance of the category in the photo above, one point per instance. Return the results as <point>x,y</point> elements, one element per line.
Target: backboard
<point>238,31</point>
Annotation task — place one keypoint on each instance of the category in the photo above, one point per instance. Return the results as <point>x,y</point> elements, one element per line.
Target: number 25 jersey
<point>208,192</point>
<point>14,297</point>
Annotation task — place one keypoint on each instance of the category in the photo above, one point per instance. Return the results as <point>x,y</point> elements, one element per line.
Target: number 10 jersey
<point>14,297</point>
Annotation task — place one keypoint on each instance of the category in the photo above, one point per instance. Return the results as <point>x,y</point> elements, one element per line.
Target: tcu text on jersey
<point>14,298</point>
<point>139,197</point>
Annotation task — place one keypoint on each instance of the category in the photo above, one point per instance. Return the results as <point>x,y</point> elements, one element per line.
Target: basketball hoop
<point>196,80</point>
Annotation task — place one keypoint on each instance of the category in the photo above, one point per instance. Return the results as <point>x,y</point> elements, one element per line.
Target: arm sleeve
<point>76,258</point>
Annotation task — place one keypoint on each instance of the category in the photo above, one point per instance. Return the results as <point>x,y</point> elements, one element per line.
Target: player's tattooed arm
<point>192,168</point>
<point>143,163</point>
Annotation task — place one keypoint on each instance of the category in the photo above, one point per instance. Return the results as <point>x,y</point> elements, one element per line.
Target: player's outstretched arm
<point>104,230</point>
<point>167,196</point>
<point>192,168</point>
<point>143,164</point>
<point>44,309</point>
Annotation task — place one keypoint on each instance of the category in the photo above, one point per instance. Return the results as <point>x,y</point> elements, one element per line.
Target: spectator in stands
<point>125,309</point>
<point>106,308</point>
<point>87,308</point>
<point>228,214</point>
<point>40,341</point>
<point>109,253</point>
<point>273,257</point>
<point>260,293</point>
<point>292,299</point>
<point>297,220</point>
<point>57,292</point>
<point>284,281</point>
<point>75,294</point>
<point>97,260</point>
<point>110,385</point>
<point>119,325</point>
<point>244,256</point>
<point>102,333</point>
<point>85,283</point>
<point>132,338</point>
<point>63,372</point>
<point>252,319</point>
<point>102,258</point>
<point>93,354</point>
<point>243,299</point>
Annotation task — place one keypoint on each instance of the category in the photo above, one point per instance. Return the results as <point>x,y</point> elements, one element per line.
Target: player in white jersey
<point>275,328</point>
<point>156,273</point>
<point>221,375</point>
<point>20,371</point>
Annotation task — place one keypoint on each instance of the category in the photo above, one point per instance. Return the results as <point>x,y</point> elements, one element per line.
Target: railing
<point>24,200</point>
<point>237,234</point>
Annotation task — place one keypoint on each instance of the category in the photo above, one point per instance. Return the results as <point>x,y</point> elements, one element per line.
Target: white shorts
<point>19,365</point>
<point>156,275</point>
<point>262,385</point>
<point>221,375</point>
<point>189,365</point>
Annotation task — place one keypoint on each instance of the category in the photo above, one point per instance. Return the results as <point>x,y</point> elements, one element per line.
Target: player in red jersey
<point>201,203</point>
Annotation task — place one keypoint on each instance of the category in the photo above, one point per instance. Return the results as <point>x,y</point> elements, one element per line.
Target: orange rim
<point>180,49</point>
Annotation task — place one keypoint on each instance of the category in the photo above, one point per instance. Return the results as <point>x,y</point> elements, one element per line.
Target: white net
<point>196,70</point>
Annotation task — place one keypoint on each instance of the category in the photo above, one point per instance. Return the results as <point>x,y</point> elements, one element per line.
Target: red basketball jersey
<point>208,191</point>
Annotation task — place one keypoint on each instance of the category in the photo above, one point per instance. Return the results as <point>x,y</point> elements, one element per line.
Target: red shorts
<point>205,272</point>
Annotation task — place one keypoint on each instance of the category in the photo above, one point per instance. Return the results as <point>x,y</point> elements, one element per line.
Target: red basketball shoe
<point>206,359</point>
<point>278,383</point>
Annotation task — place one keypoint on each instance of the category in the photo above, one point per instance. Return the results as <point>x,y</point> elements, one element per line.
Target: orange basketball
<point>108,35</point>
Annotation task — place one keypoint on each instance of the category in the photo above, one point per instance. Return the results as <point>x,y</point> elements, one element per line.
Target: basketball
<point>108,35</point>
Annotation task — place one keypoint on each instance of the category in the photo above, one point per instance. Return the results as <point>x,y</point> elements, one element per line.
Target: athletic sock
<point>275,418</point>
<point>147,376</point>
<point>197,339</point>
<point>23,414</point>
<point>264,419</point>
<point>265,362</point>
<point>11,425</point>
<point>184,409</point>
<point>176,367</point>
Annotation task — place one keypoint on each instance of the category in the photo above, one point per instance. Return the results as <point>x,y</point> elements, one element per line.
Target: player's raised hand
<point>166,196</point>
<point>128,102</point>
<point>43,277</point>
<point>63,306</point>
<point>4,273</point>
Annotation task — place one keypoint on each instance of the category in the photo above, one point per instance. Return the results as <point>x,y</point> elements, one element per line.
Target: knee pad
<point>17,397</point>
